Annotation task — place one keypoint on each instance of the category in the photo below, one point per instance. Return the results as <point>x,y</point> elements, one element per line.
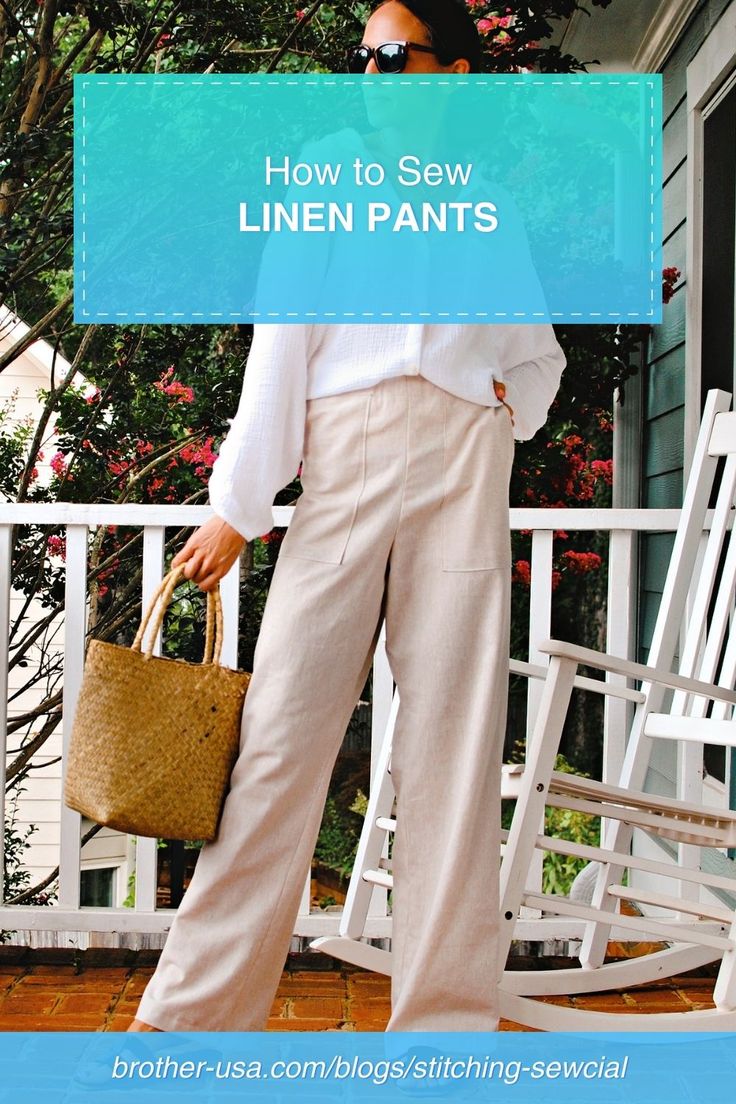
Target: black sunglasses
<point>390,57</point>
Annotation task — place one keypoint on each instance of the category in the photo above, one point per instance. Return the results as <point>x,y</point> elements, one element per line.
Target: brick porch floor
<point>99,990</point>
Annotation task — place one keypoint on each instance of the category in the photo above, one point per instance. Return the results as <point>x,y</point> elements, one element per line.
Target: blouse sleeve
<point>263,447</point>
<point>532,363</point>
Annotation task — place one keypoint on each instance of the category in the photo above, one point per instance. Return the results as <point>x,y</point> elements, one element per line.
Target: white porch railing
<point>623,527</point>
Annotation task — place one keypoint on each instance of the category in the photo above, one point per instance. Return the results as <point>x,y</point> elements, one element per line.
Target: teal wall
<point>664,372</point>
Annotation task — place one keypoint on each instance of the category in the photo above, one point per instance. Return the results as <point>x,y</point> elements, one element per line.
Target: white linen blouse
<point>289,364</point>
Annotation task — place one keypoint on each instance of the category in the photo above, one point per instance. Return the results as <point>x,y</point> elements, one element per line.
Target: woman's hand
<point>500,390</point>
<point>210,552</point>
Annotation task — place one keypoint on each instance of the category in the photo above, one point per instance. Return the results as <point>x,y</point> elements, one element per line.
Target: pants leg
<point>225,951</point>
<point>447,640</point>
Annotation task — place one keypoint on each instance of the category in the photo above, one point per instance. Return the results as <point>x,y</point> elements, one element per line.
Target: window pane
<point>96,887</point>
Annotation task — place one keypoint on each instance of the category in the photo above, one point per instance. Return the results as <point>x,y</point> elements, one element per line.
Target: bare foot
<point>140,1025</point>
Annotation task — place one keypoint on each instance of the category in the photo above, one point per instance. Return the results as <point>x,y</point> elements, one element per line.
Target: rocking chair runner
<point>624,805</point>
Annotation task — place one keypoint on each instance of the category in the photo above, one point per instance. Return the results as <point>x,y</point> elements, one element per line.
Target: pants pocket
<point>478,452</point>
<point>332,478</point>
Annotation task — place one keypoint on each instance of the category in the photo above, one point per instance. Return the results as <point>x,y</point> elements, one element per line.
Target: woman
<point>406,438</point>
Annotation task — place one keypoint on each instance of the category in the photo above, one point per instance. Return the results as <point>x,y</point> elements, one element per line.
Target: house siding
<point>38,801</point>
<point>664,371</point>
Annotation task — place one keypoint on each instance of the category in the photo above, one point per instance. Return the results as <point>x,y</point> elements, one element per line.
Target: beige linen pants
<point>404,515</point>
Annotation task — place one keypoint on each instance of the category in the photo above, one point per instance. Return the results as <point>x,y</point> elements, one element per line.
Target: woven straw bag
<point>154,739</point>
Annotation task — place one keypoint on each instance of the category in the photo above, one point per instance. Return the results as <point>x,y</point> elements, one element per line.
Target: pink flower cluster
<point>179,391</point>
<point>58,465</point>
<point>494,24</point>
<point>603,469</point>
<point>272,537</point>
<point>670,276</point>
<point>119,467</point>
<point>580,563</point>
<point>202,456</point>
<point>57,546</point>
<point>522,574</point>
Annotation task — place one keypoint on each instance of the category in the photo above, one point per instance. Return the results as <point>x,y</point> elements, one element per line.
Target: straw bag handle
<point>164,591</point>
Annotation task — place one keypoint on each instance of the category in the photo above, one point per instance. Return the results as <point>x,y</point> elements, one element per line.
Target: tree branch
<point>298,26</point>
<point>33,891</point>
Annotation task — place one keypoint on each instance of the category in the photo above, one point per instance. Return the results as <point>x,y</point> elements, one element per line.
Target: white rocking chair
<point>372,869</point>
<point>690,839</point>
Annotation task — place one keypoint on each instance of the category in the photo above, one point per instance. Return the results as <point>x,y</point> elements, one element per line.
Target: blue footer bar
<point>271,1066</point>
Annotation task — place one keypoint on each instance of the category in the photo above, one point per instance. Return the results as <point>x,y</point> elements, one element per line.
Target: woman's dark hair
<point>452,30</point>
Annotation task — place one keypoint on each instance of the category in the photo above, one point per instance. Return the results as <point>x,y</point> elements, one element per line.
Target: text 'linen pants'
<point>404,515</point>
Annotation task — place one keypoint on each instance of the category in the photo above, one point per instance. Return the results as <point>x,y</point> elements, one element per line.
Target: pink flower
<point>58,464</point>
<point>179,391</point>
<point>670,276</point>
<point>300,13</point>
<point>56,546</point>
<point>603,469</point>
<point>522,573</point>
<point>202,456</point>
<point>580,563</point>
<point>118,467</point>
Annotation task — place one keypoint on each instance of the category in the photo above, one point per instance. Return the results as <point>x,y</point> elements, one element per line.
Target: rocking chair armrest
<point>597,686</point>
<point>529,670</point>
<point>603,661</point>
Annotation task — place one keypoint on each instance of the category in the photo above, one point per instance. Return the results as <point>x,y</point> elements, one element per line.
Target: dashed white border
<point>269,82</point>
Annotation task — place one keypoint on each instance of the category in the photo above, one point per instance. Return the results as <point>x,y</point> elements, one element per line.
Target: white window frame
<point>710,75</point>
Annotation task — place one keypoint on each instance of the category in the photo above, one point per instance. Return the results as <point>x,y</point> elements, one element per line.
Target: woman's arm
<point>263,447</point>
<point>259,455</point>
<point>532,364</point>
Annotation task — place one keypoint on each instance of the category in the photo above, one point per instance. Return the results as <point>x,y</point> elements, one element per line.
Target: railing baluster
<point>620,640</point>
<point>540,615</point>
<point>146,848</point>
<point>75,630</point>
<point>540,628</point>
<point>230,593</point>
